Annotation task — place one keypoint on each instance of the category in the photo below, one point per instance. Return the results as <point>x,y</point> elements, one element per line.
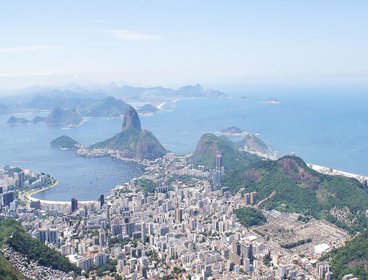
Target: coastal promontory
<point>133,142</point>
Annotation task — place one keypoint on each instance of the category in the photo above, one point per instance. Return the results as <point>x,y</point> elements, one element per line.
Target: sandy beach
<point>27,196</point>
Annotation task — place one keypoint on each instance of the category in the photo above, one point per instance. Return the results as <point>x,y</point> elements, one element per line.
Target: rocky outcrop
<point>131,120</point>
<point>133,142</point>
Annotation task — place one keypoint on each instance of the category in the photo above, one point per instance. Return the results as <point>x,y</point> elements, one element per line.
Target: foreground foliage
<point>351,259</point>
<point>14,235</point>
<point>7,271</point>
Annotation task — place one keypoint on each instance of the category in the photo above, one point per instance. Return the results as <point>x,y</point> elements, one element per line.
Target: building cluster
<point>13,180</point>
<point>184,229</point>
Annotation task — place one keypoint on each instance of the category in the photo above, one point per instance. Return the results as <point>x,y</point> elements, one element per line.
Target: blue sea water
<point>329,128</point>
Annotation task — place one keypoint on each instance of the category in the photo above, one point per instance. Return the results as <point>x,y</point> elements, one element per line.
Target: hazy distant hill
<point>141,93</point>
<point>15,121</point>
<point>251,142</point>
<point>132,141</point>
<point>69,117</point>
<point>47,102</point>
<point>147,109</point>
<point>90,100</point>
<point>109,107</point>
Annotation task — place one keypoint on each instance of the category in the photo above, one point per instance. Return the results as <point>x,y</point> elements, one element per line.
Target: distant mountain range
<point>57,116</point>
<point>147,109</point>
<point>109,107</point>
<point>85,98</point>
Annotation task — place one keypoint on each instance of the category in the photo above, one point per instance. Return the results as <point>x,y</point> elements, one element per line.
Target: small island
<point>232,130</point>
<point>64,143</point>
<point>271,101</point>
<point>15,121</point>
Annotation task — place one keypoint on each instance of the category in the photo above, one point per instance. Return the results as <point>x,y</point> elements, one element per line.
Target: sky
<point>172,42</point>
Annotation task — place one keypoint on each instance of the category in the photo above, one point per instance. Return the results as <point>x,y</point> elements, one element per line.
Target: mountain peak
<point>131,120</point>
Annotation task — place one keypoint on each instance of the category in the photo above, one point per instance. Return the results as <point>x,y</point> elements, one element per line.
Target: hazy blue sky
<point>172,42</point>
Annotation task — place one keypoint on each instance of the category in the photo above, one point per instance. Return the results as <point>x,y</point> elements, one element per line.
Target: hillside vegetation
<point>64,142</point>
<point>210,145</point>
<point>248,217</point>
<point>12,233</point>
<point>7,271</point>
<point>303,190</point>
<point>351,259</point>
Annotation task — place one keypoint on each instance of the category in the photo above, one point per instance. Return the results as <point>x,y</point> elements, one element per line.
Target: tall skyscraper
<point>102,200</point>
<point>74,204</point>
<point>219,160</point>
<point>7,197</point>
<point>178,215</point>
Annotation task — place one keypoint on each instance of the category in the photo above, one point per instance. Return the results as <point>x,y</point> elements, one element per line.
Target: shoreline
<point>335,172</point>
<point>28,196</point>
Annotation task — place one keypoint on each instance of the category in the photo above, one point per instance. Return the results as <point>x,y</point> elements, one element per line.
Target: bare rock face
<point>131,120</point>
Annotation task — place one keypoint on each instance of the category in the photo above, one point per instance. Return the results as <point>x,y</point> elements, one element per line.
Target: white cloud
<point>129,35</point>
<point>28,49</point>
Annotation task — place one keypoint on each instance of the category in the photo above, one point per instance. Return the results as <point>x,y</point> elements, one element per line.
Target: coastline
<point>335,172</point>
<point>28,196</point>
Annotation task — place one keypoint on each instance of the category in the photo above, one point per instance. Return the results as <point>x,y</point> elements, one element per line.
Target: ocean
<point>328,128</point>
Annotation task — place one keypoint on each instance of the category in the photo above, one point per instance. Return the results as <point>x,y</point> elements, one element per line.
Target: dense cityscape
<point>172,223</point>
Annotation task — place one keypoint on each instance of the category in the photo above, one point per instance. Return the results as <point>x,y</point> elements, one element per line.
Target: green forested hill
<point>351,259</point>
<point>210,145</point>
<point>301,189</point>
